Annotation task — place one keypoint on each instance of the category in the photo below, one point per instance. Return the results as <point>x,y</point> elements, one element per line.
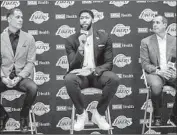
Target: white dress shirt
<point>162,50</point>
<point>89,53</point>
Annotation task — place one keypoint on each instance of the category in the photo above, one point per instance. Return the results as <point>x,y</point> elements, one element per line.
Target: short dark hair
<point>164,19</point>
<point>11,11</point>
<point>87,11</point>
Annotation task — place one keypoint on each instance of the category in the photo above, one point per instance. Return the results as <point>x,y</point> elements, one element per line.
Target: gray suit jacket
<point>149,52</point>
<point>24,58</point>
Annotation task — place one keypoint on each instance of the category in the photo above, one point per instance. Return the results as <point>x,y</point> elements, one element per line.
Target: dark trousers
<point>156,83</point>
<point>25,85</point>
<point>108,82</point>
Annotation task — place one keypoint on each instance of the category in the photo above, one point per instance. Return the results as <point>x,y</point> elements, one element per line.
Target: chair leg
<point>108,118</point>
<point>32,119</point>
<point>150,118</point>
<point>72,120</point>
<point>1,100</point>
<point>34,122</point>
<point>145,114</point>
<point>31,123</point>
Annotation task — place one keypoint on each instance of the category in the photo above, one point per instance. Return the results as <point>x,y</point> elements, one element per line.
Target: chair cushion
<point>166,87</point>
<point>91,91</point>
<point>11,94</point>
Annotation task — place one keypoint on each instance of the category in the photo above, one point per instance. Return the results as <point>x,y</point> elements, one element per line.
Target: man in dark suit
<point>92,51</point>
<point>18,53</point>
<point>157,52</point>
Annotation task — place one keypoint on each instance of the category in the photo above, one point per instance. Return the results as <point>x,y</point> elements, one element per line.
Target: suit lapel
<point>96,41</point>
<point>155,46</point>
<point>168,47</point>
<point>77,40</point>
<point>21,41</point>
<point>8,43</point>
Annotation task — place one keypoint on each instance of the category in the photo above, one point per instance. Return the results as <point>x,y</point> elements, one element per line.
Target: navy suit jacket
<point>103,55</point>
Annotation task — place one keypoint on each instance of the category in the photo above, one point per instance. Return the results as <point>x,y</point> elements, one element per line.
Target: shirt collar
<point>16,33</point>
<point>89,33</point>
<point>159,38</point>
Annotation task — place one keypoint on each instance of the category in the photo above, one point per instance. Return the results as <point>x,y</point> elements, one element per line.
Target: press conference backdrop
<point>51,22</point>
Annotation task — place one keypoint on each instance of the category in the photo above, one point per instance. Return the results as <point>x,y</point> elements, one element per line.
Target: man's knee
<point>156,84</point>
<point>156,92</point>
<point>154,81</point>
<point>112,77</point>
<point>68,80</point>
<point>70,77</point>
<point>33,88</point>
<point>156,88</point>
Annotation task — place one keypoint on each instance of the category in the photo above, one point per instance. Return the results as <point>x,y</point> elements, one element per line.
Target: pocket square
<point>97,38</point>
<point>101,45</point>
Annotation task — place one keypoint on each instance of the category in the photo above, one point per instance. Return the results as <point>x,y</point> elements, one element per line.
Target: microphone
<point>83,36</point>
<point>12,74</point>
<point>172,63</point>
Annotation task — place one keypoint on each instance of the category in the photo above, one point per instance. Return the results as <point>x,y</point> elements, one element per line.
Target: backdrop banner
<point>51,22</point>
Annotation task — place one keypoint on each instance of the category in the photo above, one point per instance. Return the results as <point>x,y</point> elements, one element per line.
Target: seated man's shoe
<point>81,120</point>
<point>24,124</point>
<point>3,121</point>
<point>100,120</point>
<point>157,121</point>
<point>173,120</point>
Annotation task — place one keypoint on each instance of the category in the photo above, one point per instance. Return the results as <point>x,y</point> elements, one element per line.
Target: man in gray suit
<point>18,54</point>
<point>157,52</point>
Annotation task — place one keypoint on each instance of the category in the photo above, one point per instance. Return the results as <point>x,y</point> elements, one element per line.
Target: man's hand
<point>173,73</point>
<point>7,81</point>
<point>16,80</point>
<point>82,72</point>
<point>94,72</point>
<point>82,39</point>
<point>167,74</point>
<point>87,73</point>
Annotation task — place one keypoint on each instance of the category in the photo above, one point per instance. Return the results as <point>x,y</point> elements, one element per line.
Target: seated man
<point>90,51</point>
<point>157,52</point>
<point>18,53</point>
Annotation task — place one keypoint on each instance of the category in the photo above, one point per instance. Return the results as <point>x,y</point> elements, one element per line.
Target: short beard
<point>88,28</point>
